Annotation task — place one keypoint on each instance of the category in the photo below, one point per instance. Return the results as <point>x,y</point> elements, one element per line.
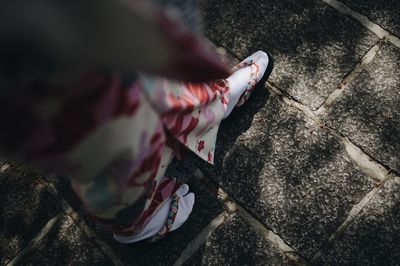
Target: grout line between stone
<point>289,100</point>
<point>351,216</point>
<point>365,21</point>
<point>79,221</point>
<point>371,167</point>
<point>4,167</point>
<point>367,59</point>
<point>43,232</point>
<point>261,229</point>
<point>201,238</point>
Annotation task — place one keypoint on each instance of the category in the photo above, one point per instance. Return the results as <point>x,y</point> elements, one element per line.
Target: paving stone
<point>313,45</point>
<point>374,236</point>
<point>25,207</point>
<point>66,244</point>
<point>291,175</point>
<point>236,243</point>
<point>167,250</point>
<point>384,13</point>
<point>368,111</point>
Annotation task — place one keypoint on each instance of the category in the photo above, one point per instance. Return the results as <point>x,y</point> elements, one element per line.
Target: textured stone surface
<point>167,250</point>
<point>374,237</point>
<point>313,45</point>
<point>25,207</point>
<point>384,13</point>
<point>368,111</point>
<point>235,243</point>
<point>66,244</point>
<point>290,174</point>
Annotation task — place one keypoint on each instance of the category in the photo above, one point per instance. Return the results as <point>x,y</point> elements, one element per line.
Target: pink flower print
<point>200,145</point>
<point>209,156</point>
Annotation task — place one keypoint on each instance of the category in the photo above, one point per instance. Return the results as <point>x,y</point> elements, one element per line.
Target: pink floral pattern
<point>192,112</point>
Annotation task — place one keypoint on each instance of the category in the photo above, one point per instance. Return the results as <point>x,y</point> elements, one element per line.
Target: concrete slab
<point>25,208</point>
<point>368,110</point>
<point>288,173</point>
<point>384,13</point>
<point>314,46</point>
<point>235,243</point>
<point>66,244</point>
<point>374,236</point>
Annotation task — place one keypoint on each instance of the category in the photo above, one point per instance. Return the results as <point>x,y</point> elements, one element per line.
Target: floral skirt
<point>110,135</point>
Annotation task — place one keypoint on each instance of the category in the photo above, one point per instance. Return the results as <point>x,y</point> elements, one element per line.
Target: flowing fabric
<point>110,133</point>
<point>111,137</point>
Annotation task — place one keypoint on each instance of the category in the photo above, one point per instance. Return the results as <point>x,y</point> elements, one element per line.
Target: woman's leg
<point>156,225</point>
<point>174,211</point>
<point>246,77</point>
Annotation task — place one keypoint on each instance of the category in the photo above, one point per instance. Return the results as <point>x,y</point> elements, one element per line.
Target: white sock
<point>185,207</point>
<point>238,81</point>
<point>237,85</point>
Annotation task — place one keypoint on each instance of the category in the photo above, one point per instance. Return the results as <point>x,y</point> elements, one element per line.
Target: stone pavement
<point>306,173</point>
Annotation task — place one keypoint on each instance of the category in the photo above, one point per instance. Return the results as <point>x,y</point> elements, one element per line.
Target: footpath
<point>306,173</point>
